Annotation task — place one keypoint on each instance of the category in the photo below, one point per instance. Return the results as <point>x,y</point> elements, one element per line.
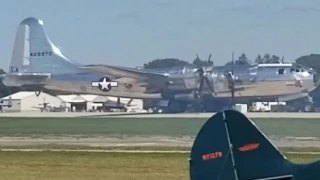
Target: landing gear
<point>176,106</point>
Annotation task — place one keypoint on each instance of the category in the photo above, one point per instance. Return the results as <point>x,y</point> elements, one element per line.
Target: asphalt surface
<point>136,141</point>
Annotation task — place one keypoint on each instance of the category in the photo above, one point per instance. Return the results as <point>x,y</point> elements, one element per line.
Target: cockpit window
<point>280,71</point>
<point>292,70</point>
<point>297,70</point>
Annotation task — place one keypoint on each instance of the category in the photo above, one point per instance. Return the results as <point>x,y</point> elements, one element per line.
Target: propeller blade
<point>209,85</point>
<point>201,85</point>
<point>208,63</point>
<point>205,79</point>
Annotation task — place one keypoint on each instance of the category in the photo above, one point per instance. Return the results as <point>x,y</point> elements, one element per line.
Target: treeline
<point>312,61</point>
<point>241,60</point>
<point>172,62</point>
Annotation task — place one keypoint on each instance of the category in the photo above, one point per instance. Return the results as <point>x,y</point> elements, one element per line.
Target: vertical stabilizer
<point>255,156</point>
<point>34,52</point>
<point>210,154</point>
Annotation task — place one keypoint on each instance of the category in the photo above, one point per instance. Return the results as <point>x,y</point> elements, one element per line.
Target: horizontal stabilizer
<point>29,75</point>
<point>21,79</point>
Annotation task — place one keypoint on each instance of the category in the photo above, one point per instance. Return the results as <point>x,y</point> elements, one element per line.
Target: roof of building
<point>82,98</point>
<point>20,95</point>
<point>88,97</point>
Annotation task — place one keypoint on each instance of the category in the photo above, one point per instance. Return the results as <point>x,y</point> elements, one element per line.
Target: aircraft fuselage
<point>259,85</point>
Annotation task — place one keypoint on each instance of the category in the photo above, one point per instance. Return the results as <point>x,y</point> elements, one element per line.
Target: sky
<point>133,32</point>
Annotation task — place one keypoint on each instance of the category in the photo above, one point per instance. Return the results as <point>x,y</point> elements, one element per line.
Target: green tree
<point>259,59</point>
<point>268,58</point>
<point>275,59</point>
<point>165,63</point>
<point>311,61</point>
<point>242,60</point>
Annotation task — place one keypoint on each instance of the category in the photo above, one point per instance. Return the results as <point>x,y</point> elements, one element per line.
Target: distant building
<point>88,102</point>
<point>82,102</point>
<point>28,101</point>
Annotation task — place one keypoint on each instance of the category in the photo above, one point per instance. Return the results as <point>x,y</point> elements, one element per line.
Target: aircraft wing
<point>120,72</point>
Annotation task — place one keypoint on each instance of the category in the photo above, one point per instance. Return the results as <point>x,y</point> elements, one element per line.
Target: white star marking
<point>104,84</point>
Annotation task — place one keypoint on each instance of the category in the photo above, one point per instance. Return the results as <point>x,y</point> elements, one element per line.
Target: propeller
<point>203,78</point>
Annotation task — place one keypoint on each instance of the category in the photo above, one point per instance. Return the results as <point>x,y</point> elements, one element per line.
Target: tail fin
<point>210,154</point>
<point>34,52</point>
<point>246,151</point>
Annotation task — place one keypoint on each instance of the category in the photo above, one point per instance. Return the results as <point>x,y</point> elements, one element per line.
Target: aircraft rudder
<point>20,49</point>
<point>255,156</point>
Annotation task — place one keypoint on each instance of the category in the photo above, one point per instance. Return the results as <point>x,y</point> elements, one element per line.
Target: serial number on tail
<point>45,53</point>
<point>210,156</point>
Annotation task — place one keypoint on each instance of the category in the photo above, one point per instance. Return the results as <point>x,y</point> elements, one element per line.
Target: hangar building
<point>86,102</point>
<point>28,101</point>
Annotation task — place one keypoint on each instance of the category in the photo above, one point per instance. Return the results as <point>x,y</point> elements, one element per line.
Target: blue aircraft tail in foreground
<point>231,147</point>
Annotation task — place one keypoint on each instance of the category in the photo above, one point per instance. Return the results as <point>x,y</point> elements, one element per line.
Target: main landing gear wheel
<point>175,106</point>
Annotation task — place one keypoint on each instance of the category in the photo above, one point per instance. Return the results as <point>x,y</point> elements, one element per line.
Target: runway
<point>146,115</point>
<point>122,151</point>
<point>155,141</point>
<point>150,142</point>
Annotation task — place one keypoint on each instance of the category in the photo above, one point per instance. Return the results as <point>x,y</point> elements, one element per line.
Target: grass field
<point>144,126</point>
<point>106,166</point>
